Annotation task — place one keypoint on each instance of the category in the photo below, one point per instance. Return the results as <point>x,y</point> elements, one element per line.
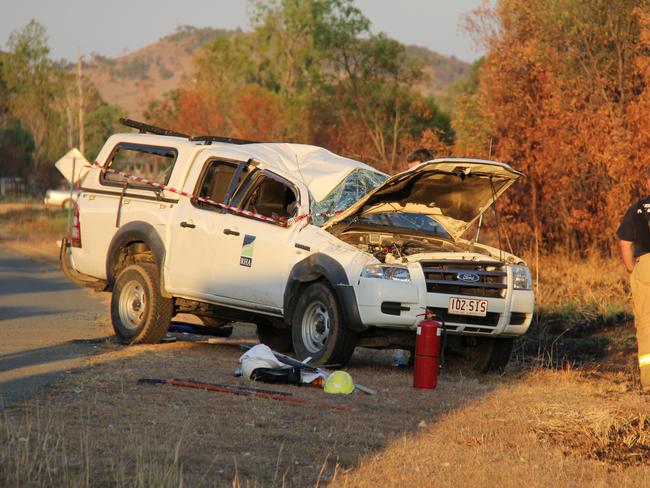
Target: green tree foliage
<point>16,150</point>
<point>4,93</point>
<point>43,96</point>
<point>327,76</point>
<point>32,83</point>
<point>100,124</point>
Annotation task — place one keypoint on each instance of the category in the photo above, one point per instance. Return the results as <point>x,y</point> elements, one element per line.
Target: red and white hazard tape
<point>284,222</point>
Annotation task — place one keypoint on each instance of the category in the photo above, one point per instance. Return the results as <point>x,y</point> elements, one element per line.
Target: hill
<point>135,79</point>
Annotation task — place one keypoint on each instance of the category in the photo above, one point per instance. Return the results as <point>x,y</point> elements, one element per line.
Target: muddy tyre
<point>140,315</point>
<point>318,330</point>
<point>277,339</point>
<point>485,355</point>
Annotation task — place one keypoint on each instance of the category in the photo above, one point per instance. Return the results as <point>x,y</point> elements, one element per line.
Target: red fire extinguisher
<point>427,354</point>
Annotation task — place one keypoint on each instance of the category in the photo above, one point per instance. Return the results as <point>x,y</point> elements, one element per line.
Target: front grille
<point>442,277</point>
<point>490,320</point>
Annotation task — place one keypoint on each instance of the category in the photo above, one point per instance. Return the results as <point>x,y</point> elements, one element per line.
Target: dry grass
<point>201,438</point>
<point>548,428</point>
<point>597,283</point>
<point>99,427</point>
<point>31,228</point>
<point>583,314</point>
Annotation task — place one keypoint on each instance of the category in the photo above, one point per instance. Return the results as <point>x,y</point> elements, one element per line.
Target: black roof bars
<point>152,129</point>
<point>229,140</point>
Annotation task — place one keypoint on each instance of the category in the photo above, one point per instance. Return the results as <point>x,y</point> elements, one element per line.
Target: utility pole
<point>81,104</point>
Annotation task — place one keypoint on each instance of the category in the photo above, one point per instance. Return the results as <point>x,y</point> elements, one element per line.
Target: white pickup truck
<point>322,252</point>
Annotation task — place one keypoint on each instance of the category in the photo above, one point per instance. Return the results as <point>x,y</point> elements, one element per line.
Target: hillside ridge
<point>133,80</point>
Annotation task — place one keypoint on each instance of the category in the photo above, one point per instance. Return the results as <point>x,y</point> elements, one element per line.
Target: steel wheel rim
<point>132,305</point>
<point>315,327</point>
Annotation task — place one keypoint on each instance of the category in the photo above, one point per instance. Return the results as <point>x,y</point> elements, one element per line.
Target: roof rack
<point>151,129</point>
<point>229,140</point>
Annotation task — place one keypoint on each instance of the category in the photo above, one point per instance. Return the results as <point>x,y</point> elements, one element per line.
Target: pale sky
<point>113,27</point>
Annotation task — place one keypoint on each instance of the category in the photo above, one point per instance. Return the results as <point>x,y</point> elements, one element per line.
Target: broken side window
<point>215,180</point>
<point>151,162</point>
<point>271,197</point>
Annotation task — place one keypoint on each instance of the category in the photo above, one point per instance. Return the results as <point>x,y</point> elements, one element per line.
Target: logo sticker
<point>247,248</point>
<point>468,277</point>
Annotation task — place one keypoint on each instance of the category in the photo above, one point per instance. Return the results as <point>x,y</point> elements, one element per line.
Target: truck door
<point>193,263</point>
<point>257,255</point>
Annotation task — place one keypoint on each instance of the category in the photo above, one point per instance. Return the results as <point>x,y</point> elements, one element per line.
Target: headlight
<point>386,272</point>
<point>521,278</point>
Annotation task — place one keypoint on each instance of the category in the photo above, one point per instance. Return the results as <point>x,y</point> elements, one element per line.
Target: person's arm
<point>627,253</point>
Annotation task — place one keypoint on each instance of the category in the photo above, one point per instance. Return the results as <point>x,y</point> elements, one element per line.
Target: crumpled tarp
<point>264,353</point>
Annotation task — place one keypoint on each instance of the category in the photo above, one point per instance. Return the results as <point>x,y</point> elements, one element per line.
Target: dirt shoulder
<point>568,428</point>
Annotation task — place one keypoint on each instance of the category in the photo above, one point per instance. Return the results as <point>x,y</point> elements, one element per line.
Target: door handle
<point>188,225</point>
<point>230,232</point>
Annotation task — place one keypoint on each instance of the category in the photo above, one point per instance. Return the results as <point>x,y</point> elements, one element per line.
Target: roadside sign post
<point>72,181</point>
<point>67,166</point>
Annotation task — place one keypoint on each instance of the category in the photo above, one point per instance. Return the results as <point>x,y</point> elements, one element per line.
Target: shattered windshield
<point>402,220</point>
<point>355,185</point>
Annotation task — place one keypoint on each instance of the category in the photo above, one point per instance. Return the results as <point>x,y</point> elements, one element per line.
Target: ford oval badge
<point>468,277</point>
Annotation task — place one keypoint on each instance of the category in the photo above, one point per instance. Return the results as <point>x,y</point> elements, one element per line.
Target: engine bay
<point>394,248</point>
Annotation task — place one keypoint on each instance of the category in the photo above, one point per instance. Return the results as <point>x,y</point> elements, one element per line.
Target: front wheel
<point>480,355</point>
<point>140,315</point>
<point>317,328</point>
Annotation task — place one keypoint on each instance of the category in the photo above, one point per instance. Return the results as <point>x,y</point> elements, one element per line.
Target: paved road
<point>44,321</point>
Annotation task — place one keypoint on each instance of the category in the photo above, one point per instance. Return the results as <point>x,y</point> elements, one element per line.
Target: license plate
<point>468,306</point>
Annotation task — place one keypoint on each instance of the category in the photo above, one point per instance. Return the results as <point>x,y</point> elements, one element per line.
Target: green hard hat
<point>340,383</point>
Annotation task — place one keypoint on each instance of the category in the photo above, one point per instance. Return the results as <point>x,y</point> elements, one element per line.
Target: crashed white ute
<point>322,252</point>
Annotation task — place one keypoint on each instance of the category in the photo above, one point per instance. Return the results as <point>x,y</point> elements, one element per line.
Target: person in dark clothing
<point>633,236</point>
<point>418,156</point>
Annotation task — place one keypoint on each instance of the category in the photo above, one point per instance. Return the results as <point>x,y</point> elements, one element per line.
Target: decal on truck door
<point>247,247</point>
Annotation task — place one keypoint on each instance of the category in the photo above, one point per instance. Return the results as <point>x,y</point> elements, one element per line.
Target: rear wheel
<point>480,355</point>
<point>140,315</point>
<point>318,330</point>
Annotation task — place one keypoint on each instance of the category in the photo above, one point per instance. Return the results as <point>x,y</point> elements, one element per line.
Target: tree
<point>325,78</point>
<point>16,150</point>
<point>101,123</point>
<point>32,83</point>
<point>554,97</point>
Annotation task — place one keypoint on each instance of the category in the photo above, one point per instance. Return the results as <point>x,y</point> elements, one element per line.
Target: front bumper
<point>399,305</point>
